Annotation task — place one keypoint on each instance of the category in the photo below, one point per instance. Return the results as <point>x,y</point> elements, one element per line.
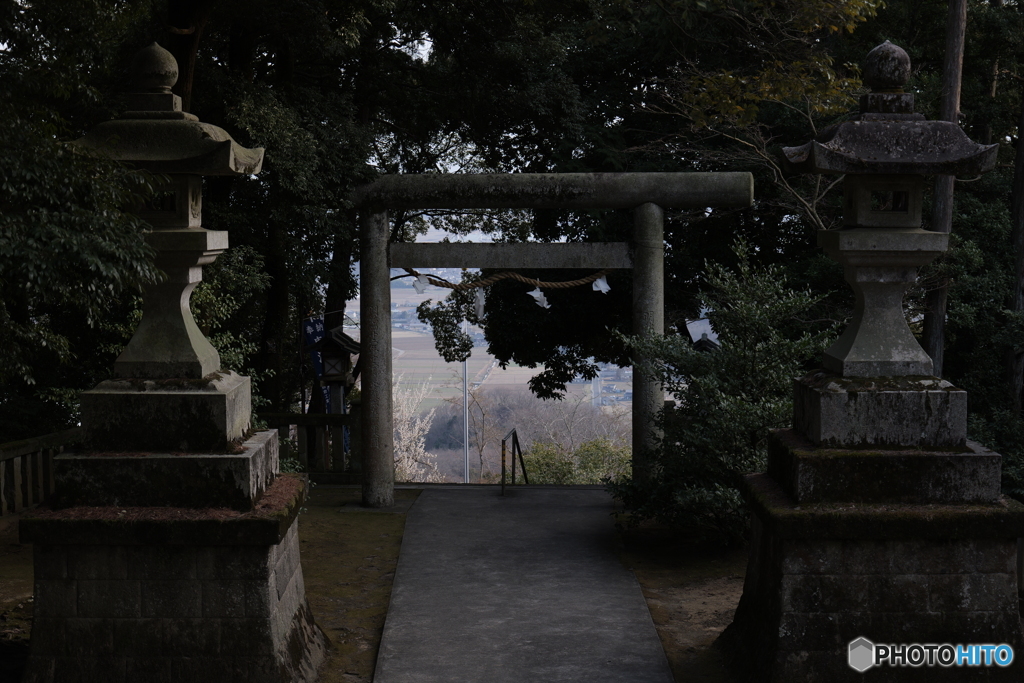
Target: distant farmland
<point>416,360</point>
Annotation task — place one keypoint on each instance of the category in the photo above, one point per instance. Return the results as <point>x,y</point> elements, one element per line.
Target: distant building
<point>700,330</point>
<point>705,344</point>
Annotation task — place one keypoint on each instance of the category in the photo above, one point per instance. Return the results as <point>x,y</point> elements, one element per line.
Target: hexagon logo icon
<point>861,655</point>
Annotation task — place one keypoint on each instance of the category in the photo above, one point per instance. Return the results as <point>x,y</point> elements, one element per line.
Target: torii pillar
<point>648,194</point>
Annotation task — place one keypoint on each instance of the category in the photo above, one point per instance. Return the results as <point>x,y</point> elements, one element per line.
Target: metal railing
<point>317,440</point>
<point>516,450</point>
<point>26,469</point>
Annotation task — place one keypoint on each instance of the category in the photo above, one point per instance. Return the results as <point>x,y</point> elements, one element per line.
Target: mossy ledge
<point>785,519</point>
<point>800,445</point>
<point>142,384</point>
<point>829,381</point>
<point>266,524</point>
<point>233,447</point>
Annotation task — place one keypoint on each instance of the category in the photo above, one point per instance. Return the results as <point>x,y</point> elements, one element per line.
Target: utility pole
<point>465,407</point>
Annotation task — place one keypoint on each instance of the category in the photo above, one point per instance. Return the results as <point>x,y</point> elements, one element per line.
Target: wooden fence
<point>317,442</point>
<point>26,469</point>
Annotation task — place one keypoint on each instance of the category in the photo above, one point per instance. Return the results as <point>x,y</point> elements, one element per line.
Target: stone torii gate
<point>647,194</point>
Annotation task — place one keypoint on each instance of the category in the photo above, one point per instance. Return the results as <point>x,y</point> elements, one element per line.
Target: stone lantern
<point>170,549</point>
<point>885,154</point>
<point>877,521</point>
<point>168,348</point>
<point>336,351</point>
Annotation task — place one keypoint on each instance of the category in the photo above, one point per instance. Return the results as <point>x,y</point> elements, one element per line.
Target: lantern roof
<point>887,137</point>
<point>157,136</point>
<point>337,339</point>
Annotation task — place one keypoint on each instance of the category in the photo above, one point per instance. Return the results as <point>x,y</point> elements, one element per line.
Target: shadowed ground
<point>524,587</point>
<point>349,556</point>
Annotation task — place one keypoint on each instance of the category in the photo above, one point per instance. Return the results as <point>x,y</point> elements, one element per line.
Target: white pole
<point>465,409</point>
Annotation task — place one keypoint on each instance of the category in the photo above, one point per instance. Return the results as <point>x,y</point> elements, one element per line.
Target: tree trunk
<point>241,49</point>
<point>277,331</point>
<point>339,286</point>
<point>942,208</point>
<point>186,20</point>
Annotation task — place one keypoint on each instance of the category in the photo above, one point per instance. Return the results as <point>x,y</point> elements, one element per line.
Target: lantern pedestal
<point>809,474</point>
<point>877,522</point>
<point>879,412</point>
<point>206,414</point>
<point>823,575</point>
<point>234,481</point>
<point>125,594</point>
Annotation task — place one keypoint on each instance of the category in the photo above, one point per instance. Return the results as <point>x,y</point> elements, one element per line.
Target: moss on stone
<point>829,381</point>
<point>122,525</point>
<point>800,445</point>
<point>786,519</point>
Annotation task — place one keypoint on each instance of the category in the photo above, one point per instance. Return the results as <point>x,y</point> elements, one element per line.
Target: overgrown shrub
<point>726,400</point>
<point>291,465</point>
<point>591,463</point>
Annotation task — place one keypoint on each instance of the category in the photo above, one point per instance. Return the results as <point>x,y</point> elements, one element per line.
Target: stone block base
<point>176,480</point>
<point>887,412</point>
<point>170,414</point>
<point>820,577</point>
<point>810,474</point>
<point>172,597</point>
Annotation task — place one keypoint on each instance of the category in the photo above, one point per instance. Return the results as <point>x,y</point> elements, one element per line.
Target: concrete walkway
<point>520,588</point>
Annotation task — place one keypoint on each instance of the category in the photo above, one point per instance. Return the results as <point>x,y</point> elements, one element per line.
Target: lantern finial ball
<point>887,67</point>
<point>153,69</point>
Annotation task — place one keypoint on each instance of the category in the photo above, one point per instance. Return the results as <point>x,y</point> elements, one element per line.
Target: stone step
<point>814,474</point>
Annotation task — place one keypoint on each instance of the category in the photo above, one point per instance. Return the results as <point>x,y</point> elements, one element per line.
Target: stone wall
<point>892,591</point>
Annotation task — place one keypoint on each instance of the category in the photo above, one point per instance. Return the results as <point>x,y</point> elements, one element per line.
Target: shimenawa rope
<point>504,276</point>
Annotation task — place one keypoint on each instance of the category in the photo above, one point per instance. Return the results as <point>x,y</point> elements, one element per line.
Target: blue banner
<point>313,332</point>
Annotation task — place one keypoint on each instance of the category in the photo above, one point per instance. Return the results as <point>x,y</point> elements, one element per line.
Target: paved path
<point>521,588</point>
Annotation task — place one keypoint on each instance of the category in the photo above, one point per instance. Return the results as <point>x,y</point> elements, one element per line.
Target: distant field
<point>512,376</point>
<point>406,297</point>
<point>415,358</point>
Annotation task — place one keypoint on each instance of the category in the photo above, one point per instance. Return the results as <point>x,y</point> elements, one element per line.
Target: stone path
<point>520,588</point>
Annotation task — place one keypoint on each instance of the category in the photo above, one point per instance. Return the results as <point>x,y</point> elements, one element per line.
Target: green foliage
<point>291,466</point>
<point>981,331</point>
<point>70,253</point>
<point>65,239</point>
<point>593,462</point>
<point>726,400</point>
<point>220,303</point>
<point>446,316</point>
<point>65,242</point>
